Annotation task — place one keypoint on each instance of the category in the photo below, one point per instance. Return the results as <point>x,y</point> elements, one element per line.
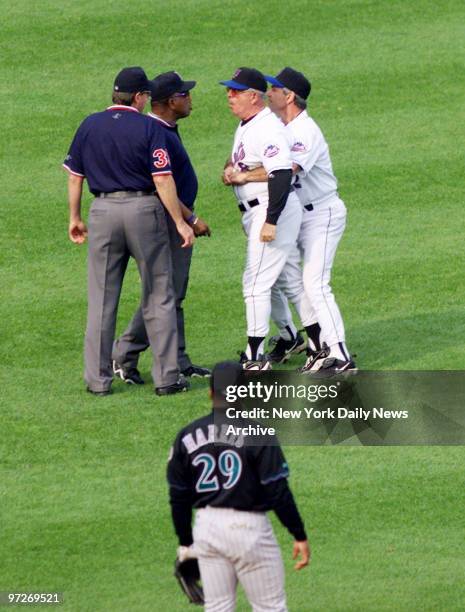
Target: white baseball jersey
<point>310,150</point>
<point>260,141</point>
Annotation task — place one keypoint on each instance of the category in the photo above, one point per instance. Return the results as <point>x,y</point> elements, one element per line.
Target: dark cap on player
<point>168,83</point>
<point>293,80</point>
<point>131,80</point>
<point>246,78</point>
<point>224,374</point>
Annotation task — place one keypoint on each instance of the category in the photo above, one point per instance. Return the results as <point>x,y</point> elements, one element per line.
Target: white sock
<point>339,351</point>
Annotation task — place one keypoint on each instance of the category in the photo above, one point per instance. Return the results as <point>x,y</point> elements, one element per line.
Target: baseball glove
<point>188,575</point>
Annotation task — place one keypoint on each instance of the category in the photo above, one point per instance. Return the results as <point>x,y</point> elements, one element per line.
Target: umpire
<point>232,485</point>
<point>124,158</point>
<point>171,101</point>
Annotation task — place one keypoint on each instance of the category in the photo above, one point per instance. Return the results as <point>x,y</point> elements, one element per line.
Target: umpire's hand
<point>77,231</point>
<point>186,233</point>
<point>201,228</point>
<point>301,549</point>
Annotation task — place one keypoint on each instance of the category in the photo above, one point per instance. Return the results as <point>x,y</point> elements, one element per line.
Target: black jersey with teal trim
<point>212,469</point>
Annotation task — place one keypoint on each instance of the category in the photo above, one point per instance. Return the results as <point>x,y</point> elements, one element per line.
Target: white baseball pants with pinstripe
<point>235,546</point>
<point>266,260</point>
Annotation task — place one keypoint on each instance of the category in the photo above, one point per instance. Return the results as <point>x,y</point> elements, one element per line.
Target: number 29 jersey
<point>212,468</point>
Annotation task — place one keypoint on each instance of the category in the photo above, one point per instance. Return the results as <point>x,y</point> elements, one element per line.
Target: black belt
<point>251,203</point>
<point>309,207</point>
<point>123,194</point>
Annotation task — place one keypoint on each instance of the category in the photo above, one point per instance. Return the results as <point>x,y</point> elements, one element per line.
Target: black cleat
<point>130,376</point>
<point>284,348</point>
<point>194,371</point>
<point>262,363</point>
<point>314,361</point>
<point>242,357</point>
<point>332,367</point>
<point>180,386</point>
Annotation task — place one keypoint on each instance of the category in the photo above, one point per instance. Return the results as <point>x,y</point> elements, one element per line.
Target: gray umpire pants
<point>134,340</point>
<point>120,227</point>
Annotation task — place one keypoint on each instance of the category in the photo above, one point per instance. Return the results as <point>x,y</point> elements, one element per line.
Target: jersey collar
<point>265,110</point>
<point>302,115</point>
<point>170,124</point>
<point>122,107</point>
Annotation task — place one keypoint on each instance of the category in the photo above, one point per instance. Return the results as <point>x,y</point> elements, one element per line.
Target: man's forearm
<point>74,196</point>
<point>186,212</point>
<point>166,189</point>
<point>257,175</point>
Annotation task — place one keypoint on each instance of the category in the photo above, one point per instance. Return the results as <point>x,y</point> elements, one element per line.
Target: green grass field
<point>83,495</point>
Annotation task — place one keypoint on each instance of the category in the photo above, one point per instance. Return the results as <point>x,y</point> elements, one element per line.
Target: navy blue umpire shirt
<point>183,172</point>
<point>118,149</point>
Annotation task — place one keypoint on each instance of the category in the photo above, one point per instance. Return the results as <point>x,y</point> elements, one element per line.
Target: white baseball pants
<point>266,260</point>
<point>289,287</point>
<point>235,546</point>
<point>320,233</point>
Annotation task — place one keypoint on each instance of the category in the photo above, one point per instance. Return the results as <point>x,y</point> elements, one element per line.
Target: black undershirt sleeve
<point>180,491</point>
<point>282,502</point>
<point>181,513</point>
<point>279,185</point>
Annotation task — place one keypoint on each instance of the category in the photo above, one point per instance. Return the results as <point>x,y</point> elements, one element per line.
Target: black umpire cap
<point>168,83</point>
<point>224,374</point>
<point>293,80</point>
<point>132,80</point>
<point>246,78</point>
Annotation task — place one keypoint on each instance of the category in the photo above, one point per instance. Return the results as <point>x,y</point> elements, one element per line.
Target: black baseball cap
<point>224,374</point>
<point>293,80</point>
<point>168,83</point>
<point>246,78</point>
<point>131,80</point>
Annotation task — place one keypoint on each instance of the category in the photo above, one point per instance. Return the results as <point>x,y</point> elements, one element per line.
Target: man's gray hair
<point>260,94</point>
<point>298,101</point>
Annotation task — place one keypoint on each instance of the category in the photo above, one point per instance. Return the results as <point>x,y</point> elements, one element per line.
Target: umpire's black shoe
<point>180,386</point>
<point>99,393</point>
<point>130,376</point>
<point>195,371</point>
<point>284,348</point>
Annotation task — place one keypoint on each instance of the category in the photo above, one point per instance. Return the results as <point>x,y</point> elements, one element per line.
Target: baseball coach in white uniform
<point>271,211</point>
<point>324,217</point>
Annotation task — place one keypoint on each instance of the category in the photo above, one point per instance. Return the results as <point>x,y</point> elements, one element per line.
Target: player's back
<point>220,469</point>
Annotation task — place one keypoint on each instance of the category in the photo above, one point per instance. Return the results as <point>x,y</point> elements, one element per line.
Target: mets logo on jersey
<point>239,154</point>
<point>298,146</point>
<point>271,151</point>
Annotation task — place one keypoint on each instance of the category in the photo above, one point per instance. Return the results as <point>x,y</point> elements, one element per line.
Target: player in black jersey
<point>232,485</point>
